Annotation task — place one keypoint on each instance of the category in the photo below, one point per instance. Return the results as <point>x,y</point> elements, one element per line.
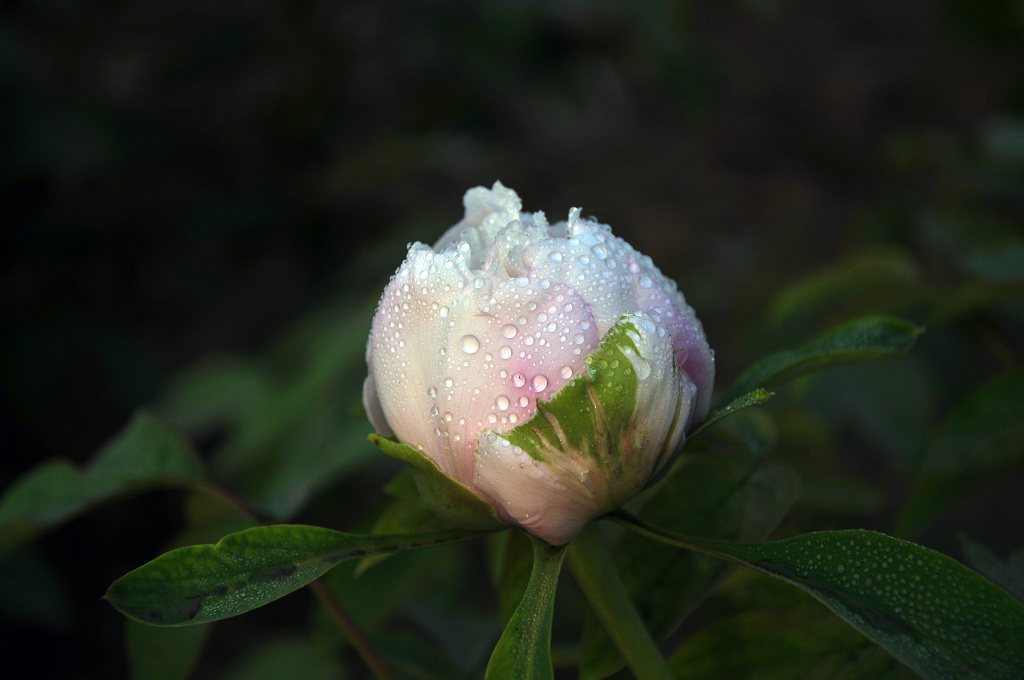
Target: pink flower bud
<point>551,370</point>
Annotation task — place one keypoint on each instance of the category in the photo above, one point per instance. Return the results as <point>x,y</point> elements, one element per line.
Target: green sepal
<point>591,415</point>
<point>448,498</point>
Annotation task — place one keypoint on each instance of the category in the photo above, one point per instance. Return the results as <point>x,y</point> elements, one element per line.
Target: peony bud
<point>534,374</point>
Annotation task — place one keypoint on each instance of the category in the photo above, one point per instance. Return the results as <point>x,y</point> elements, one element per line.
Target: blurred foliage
<point>184,182</point>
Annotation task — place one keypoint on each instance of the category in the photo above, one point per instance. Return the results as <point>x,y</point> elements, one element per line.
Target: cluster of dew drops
<point>555,326</point>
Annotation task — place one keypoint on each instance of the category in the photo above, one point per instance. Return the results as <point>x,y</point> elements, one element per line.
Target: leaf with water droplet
<point>247,570</point>
<point>869,338</point>
<point>940,618</point>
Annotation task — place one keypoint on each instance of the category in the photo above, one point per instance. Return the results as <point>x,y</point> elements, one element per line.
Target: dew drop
<point>431,391</point>
<point>443,312</point>
<point>565,372</point>
<point>469,344</point>
<point>645,282</point>
<point>518,379</point>
<point>555,256</point>
<point>505,352</point>
<point>539,383</point>
<point>509,330</point>
<point>643,369</point>
<point>448,382</point>
<point>502,402</point>
<point>492,418</point>
<point>600,251</point>
<point>524,401</point>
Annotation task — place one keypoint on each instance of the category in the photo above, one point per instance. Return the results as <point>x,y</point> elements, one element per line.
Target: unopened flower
<point>548,371</point>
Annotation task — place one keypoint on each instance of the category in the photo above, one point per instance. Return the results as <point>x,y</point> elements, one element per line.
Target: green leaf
<point>285,660</point>
<point>869,338</point>
<point>983,435</point>
<point>162,653</point>
<point>775,645</point>
<point>524,650</point>
<point>449,499</point>
<point>728,494</point>
<point>247,570</point>
<point>934,614</point>
<point>145,455</point>
<point>753,398</point>
<point>873,279</point>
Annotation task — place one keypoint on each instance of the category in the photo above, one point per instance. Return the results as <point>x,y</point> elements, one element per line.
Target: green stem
<point>524,650</point>
<point>595,572</point>
<point>348,628</point>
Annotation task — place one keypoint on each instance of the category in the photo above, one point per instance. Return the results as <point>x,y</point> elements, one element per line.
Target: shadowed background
<point>193,178</point>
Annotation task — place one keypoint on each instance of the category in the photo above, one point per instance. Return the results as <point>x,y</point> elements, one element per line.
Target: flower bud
<point>541,373</point>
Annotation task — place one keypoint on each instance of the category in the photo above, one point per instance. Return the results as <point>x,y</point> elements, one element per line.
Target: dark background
<point>191,177</point>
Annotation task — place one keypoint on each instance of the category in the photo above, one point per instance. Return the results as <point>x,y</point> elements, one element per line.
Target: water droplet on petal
<point>524,401</point>
<point>505,352</point>
<point>645,282</point>
<point>469,344</point>
<point>643,369</point>
<point>555,256</point>
<point>492,418</point>
<point>600,251</point>
<point>502,402</point>
<point>565,372</point>
<point>518,379</point>
<point>539,383</point>
<point>509,330</point>
<point>432,391</point>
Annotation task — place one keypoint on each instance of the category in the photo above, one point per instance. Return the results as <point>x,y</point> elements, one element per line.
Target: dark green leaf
<point>287,660</point>
<point>752,398</point>
<point>983,435</point>
<point>407,513</point>
<point>524,650</point>
<point>803,643</point>
<point>162,653</point>
<point>869,338</point>
<point>452,501</point>
<point>934,614</point>
<point>514,572</point>
<point>876,280</point>
<point>729,494</point>
<point>246,570</point>
<point>146,454</point>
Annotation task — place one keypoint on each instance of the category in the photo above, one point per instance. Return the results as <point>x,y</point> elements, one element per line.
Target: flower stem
<point>349,630</point>
<point>524,650</point>
<point>595,572</point>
